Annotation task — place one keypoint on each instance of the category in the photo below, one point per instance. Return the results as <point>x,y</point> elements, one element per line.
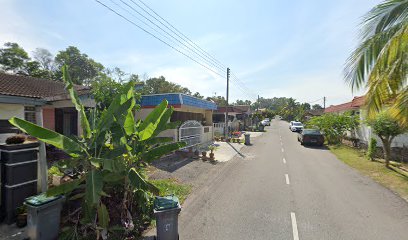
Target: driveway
<point>282,190</point>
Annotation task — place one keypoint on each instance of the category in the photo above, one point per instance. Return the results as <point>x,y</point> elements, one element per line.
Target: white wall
<point>365,132</point>
<point>8,111</point>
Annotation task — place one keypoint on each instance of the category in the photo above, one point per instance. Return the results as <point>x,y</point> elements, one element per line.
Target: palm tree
<point>380,63</point>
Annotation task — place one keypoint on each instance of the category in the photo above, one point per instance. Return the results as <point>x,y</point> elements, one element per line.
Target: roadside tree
<point>387,128</point>
<point>334,126</point>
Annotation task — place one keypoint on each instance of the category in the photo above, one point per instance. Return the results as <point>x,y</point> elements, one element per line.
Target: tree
<point>198,95</point>
<point>334,126</point>
<point>34,69</point>
<point>219,100</point>
<point>242,102</point>
<point>104,90</point>
<point>317,107</point>
<point>161,85</point>
<point>13,58</point>
<point>44,58</point>
<point>379,64</point>
<point>387,128</point>
<point>81,67</point>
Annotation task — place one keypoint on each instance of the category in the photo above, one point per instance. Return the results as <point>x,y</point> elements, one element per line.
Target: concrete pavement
<point>282,190</point>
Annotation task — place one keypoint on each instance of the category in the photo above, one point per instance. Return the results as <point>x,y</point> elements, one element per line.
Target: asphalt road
<point>282,190</point>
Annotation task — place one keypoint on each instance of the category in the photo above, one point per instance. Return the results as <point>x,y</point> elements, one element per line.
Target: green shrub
<point>372,149</point>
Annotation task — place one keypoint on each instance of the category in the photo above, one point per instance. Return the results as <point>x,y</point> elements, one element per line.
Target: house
<point>195,114</point>
<point>41,101</point>
<point>238,117</point>
<point>364,133</point>
<point>313,113</point>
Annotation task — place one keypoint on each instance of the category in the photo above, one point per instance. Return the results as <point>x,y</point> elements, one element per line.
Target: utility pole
<point>324,102</point>
<point>226,108</point>
<point>258,104</point>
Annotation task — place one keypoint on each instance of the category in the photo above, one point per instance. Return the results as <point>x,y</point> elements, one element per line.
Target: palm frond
<point>383,17</point>
<point>377,28</point>
<point>399,109</point>
<point>389,74</point>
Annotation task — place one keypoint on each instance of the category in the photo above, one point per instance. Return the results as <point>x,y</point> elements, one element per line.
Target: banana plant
<point>110,151</point>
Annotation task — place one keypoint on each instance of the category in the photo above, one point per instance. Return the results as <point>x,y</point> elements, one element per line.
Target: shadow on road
<point>236,150</point>
<point>171,163</point>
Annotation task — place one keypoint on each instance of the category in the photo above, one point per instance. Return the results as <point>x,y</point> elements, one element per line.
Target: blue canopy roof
<point>175,99</point>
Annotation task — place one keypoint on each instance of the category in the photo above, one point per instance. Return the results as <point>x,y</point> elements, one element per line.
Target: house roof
<point>236,108</point>
<point>25,86</point>
<point>315,112</point>
<point>176,100</point>
<point>356,103</point>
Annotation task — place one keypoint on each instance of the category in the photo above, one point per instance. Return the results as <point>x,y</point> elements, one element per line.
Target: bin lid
<point>40,199</point>
<point>167,202</point>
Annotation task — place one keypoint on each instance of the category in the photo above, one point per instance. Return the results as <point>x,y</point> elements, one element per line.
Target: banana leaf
<point>162,150</point>
<point>64,188</point>
<point>152,121</point>
<point>77,102</point>
<point>48,136</point>
<point>94,184</point>
<point>138,182</point>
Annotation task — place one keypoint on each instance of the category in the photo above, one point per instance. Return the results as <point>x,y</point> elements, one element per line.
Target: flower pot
<point>212,156</point>
<point>21,220</point>
<point>204,155</point>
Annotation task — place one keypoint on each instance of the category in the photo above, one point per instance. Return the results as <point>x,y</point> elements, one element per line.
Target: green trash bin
<point>166,210</point>
<point>43,217</point>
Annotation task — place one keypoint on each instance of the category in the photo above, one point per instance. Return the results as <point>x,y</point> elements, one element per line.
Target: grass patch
<point>373,169</point>
<point>172,186</point>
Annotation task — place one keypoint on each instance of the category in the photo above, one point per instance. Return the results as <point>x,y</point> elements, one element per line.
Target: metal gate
<point>191,132</point>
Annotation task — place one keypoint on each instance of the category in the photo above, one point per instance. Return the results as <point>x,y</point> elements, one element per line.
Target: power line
<point>151,34</point>
<point>209,59</point>
<point>172,36</point>
<point>186,38</point>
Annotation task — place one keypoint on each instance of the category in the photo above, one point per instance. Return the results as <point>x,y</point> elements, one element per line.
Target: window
<point>29,114</point>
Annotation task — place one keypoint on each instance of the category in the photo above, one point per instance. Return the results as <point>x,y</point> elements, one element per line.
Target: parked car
<point>296,126</point>
<point>291,124</point>
<point>311,136</point>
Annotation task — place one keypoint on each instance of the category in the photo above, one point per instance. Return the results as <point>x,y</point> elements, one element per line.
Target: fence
<point>193,133</point>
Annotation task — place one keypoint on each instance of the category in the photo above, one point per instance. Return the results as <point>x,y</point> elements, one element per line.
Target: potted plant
<point>21,220</point>
<point>204,155</point>
<point>56,176</point>
<point>212,148</point>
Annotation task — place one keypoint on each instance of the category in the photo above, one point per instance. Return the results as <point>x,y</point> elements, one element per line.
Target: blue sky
<point>276,48</point>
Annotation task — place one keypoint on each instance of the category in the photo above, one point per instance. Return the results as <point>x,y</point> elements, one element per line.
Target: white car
<point>296,126</point>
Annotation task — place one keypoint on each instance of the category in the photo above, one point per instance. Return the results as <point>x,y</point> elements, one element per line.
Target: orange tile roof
<point>356,103</point>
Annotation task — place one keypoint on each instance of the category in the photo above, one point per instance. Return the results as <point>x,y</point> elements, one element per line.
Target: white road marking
<point>283,150</point>
<point>287,179</point>
<point>284,160</point>
<point>294,226</point>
